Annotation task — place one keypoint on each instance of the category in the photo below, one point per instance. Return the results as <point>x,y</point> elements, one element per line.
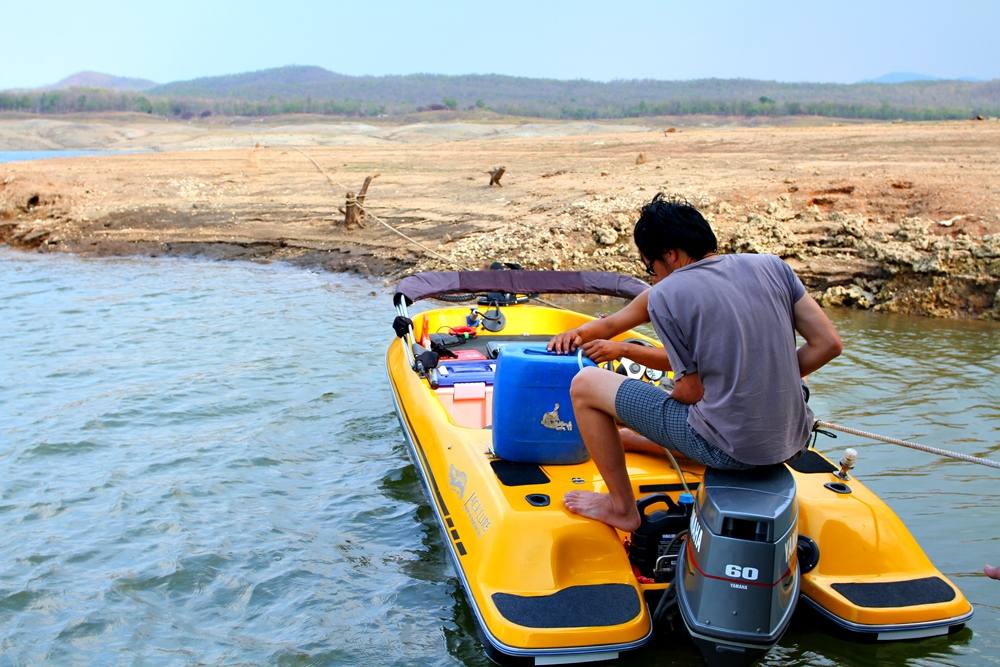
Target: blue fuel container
<point>533,420</point>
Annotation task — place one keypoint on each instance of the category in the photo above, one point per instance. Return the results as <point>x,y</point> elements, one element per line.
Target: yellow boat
<point>550,587</point>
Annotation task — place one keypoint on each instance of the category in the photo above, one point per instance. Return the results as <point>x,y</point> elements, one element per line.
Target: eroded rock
<point>605,236</point>
<point>906,269</point>
<point>849,295</point>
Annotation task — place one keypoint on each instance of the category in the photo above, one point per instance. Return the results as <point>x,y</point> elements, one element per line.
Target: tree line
<point>102,100</point>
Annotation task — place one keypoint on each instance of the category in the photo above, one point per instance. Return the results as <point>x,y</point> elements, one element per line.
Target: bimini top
<point>435,283</point>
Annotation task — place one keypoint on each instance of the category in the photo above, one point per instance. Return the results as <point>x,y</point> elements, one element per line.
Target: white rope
<point>392,229</point>
<point>912,445</point>
<point>321,170</point>
<point>396,231</point>
<point>372,215</point>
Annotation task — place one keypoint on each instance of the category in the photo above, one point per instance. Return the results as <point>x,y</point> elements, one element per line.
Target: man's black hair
<point>667,223</point>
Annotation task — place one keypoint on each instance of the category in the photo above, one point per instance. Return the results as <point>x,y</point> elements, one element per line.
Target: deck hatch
<point>929,590</point>
<point>512,473</point>
<point>574,607</point>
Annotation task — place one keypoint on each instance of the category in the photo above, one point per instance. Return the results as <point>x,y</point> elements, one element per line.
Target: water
<point>199,463</point>
<point>22,156</point>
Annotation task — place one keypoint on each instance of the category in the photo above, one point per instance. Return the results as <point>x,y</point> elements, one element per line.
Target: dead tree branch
<point>495,175</point>
<point>354,208</point>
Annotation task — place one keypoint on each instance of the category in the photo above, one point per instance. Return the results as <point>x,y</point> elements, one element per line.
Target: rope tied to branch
<point>912,445</point>
<point>392,229</point>
<point>369,213</point>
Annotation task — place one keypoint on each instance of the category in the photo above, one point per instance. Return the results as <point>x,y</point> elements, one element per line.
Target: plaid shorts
<point>649,411</point>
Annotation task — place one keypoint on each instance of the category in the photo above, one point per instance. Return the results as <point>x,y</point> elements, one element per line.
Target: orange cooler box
<point>470,404</point>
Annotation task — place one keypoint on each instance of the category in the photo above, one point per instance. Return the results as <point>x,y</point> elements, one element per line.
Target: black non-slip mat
<point>811,461</point>
<point>897,593</point>
<point>518,474</point>
<point>574,607</point>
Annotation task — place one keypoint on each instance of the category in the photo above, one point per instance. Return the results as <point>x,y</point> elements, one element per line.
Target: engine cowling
<point>739,582</point>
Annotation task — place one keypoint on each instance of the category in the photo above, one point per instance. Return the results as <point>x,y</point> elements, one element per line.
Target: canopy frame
<point>435,283</point>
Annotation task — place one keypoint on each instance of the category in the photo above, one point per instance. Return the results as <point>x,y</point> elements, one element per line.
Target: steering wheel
<point>637,371</point>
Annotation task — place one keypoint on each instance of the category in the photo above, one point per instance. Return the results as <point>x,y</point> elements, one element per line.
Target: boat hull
<point>511,647</point>
<point>546,586</point>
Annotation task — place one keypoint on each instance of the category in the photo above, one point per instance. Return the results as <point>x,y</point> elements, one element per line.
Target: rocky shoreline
<point>915,267</point>
<point>861,236</point>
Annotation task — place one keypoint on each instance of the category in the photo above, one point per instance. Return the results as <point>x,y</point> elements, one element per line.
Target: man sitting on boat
<point>727,323</point>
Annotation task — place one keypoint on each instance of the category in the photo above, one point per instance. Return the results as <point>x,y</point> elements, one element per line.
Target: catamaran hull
<point>549,587</point>
<point>497,651</point>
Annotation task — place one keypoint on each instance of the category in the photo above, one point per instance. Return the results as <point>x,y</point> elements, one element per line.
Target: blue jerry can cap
<point>685,499</point>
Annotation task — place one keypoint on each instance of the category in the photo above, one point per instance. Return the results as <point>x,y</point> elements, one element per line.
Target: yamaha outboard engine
<point>739,581</point>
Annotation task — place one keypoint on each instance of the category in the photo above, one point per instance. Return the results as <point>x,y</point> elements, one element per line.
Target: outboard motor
<point>739,581</point>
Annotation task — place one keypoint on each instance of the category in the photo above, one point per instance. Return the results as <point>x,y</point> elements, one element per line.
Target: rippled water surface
<point>199,463</point>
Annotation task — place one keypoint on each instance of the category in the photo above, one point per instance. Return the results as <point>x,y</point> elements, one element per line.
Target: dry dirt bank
<point>897,217</point>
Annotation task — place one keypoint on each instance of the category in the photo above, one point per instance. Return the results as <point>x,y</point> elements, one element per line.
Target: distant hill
<point>285,82</point>
<point>510,93</point>
<point>305,89</point>
<point>908,77</point>
<point>100,80</point>
<point>901,77</point>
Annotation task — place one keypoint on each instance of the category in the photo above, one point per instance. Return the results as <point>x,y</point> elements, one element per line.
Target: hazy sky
<point>843,41</point>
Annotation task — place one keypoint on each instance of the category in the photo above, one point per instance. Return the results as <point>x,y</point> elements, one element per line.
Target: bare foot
<point>599,506</point>
<point>992,572</point>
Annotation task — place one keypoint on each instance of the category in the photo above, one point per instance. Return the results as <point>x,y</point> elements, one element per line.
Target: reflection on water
<point>461,635</point>
<point>199,463</point>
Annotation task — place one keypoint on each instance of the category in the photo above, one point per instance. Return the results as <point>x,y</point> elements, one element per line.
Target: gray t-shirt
<point>730,319</point>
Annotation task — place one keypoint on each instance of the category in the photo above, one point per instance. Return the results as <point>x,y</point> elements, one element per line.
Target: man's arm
<point>688,389</point>
<point>601,350</point>
<point>627,318</point>
<point>822,341</point>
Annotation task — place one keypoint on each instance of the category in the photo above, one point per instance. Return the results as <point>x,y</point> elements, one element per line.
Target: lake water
<point>23,156</point>
<point>199,463</point>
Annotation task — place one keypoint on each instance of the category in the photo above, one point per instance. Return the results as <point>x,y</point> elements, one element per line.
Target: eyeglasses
<point>650,271</point>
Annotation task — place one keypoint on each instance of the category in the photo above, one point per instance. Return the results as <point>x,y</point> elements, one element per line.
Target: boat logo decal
<point>477,514</point>
<point>790,545</point>
<point>695,531</point>
<point>742,572</point>
<point>550,420</point>
<point>457,480</point>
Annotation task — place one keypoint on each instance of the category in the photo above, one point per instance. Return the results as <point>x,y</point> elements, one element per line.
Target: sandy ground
<point>901,217</point>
